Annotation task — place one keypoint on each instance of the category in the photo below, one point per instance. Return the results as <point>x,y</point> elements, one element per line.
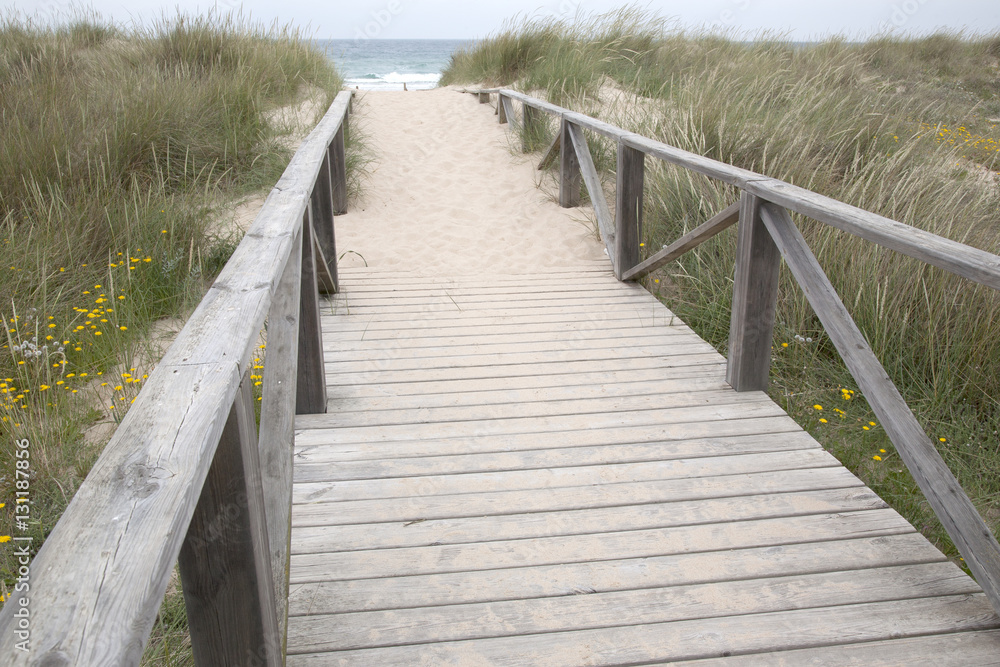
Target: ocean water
<point>386,64</point>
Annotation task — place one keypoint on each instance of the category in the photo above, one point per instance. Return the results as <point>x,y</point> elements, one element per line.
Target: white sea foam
<point>395,81</point>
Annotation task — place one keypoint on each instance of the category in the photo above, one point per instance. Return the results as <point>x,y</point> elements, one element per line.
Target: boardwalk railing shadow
<point>766,235</point>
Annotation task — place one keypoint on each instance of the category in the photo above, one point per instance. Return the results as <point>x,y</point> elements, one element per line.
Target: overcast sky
<point>397,19</point>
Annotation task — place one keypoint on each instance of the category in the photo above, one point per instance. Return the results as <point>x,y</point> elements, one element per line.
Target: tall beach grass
<point>905,127</point>
<point>119,149</point>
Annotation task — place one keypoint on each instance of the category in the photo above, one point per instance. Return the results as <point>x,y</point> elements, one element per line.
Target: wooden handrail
<point>949,501</point>
<point>766,235</point>
<point>972,263</point>
<point>97,583</point>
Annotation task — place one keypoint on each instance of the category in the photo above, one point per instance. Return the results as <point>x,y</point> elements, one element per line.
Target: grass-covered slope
<point>904,127</point>
<point>117,148</point>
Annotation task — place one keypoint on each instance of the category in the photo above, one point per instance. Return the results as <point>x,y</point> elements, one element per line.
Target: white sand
<point>448,197</point>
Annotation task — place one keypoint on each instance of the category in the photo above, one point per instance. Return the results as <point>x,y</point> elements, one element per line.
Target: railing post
<point>501,110</point>
<point>224,561</point>
<point>755,295</point>
<point>484,98</point>
<point>338,169</point>
<point>570,177</point>
<point>277,423</point>
<point>310,395</point>
<point>322,203</point>
<point>630,179</point>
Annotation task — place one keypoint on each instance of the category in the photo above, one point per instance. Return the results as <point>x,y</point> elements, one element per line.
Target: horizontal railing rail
<point>766,235</point>
<point>187,478</point>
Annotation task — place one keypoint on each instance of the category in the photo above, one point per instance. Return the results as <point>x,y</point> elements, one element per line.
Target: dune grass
<point>119,148</point>
<point>905,127</point>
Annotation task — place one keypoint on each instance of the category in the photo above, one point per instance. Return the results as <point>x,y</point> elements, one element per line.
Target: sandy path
<point>447,196</point>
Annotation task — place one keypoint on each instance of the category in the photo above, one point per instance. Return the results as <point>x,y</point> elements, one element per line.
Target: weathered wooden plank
<point>686,640</point>
<point>600,127</point>
<point>319,485</point>
<point>353,403</point>
<point>481,285</point>
<point>972,263</point>
<point>570,301</point>
<point>551,153</point>
<point>642,314</point>
<point>465,338</point>
<point>498,296</point>
<point>630,177</point>
<point>675,436</point>
<point>716,224</point>
<point>595,189</point>
<point>277,436</point>
<point>657,347</point>
<point>536,459</point>
<point>569,168</point>
<point>603,546</point>
<point>486,427</point>
<point>540,296</point>
<point>389,300</point>
<point>587,271</point>
<point>542,339</point>
<point>476,288</point>
<point>409,352</point>
<point>498,338</point>
<point>444,483</point>
<point>959,649</point>
<point>516,618</point>
<point>522,369</point>
<point>523,306</point>
<point>692,161</point>
<point>545,408</point>
<point>370,327</point>
<point>134,507</point>
<point>424,508</point>
<point>501,110</point>
<point>431,590</point>
<point>950,503</point>
<point>573,332</point>
<point>508,113</point>
<point>755,297</point>
<point>310,394</point>
<point>498,365</point>
<point>338,175</point>
<point>472,387</point>
<point>225,560</point>
<point>588,315</point>
<point>532,101</point>
<point>467,530</point>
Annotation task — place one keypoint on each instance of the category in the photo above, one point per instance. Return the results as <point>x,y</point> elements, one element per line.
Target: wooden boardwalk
<point>551,470</point>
